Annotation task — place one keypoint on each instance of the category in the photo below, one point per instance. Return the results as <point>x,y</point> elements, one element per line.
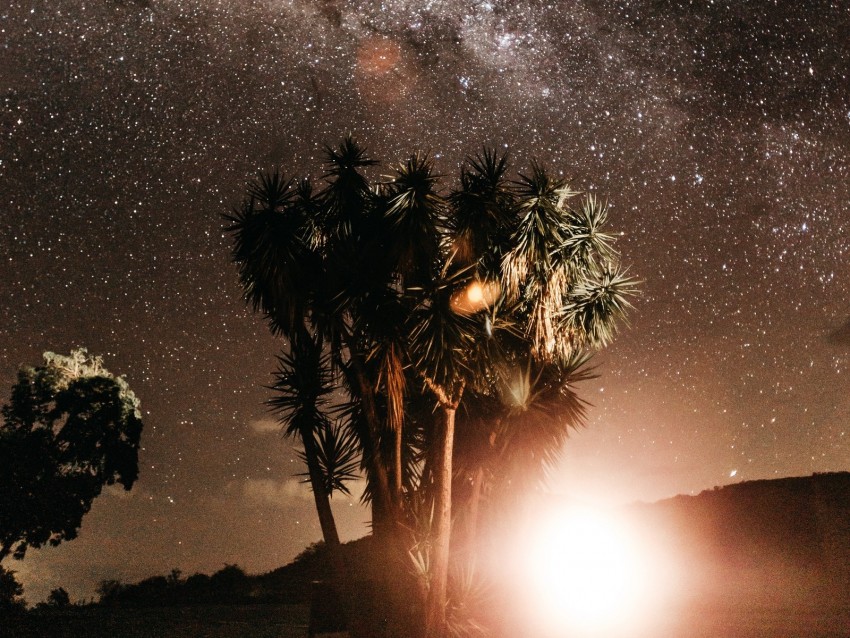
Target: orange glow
<point>382,75</point>
<point>475,293</point>
<point>378,56</point>
<point>475,297</point>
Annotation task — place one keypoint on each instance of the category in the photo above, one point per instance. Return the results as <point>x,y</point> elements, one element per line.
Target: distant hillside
<point>292,582</point>
<point>782,538</point>
<point>745,536</point>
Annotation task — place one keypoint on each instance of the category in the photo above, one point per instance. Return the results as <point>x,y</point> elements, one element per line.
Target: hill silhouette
<point>770,541</point>
<point>783,541</point>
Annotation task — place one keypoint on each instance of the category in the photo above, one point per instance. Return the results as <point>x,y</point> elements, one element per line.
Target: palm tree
<point>300,255</point>
<point>479,308</point>
<point>558,295</point>
<point>360,310</point>
<point>280,270</point>
<point>302,387</point>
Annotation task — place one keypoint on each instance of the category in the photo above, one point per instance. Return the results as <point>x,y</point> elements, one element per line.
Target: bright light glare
<point>477,296</point>
<point>585,574</point>
<point>475,293</point>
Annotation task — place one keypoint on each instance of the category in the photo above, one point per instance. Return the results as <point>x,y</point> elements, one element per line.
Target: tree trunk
<point>397,465</point>
<point>472,512</point>
<point>384,509</point>
<point>342,584</point>
<point>435,606</point>
<point>320,496</point>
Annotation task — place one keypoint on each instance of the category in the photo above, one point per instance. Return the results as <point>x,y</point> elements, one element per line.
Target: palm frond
<point>348,155</point>
<point>347,198</point>
<point>413,209</point>
<point>440,337</point>
<point>271,190</point>
<point>530,439</point>
<point>586,248</point>
<point>541,229</point>
<point>391,380</point>
<point>310,211</point>
<point>338,455</point>
<point>482,213</point>
<point>303,383</point>
<point>532,274</point>
<point>350,415</point>
<point>595,307</point>
<point>469,594</point>
<point>276,265</point>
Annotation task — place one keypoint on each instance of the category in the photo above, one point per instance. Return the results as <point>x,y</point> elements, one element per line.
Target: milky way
<point>718,130</point>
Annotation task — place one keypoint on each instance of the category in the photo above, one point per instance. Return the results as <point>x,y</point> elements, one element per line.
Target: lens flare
<point>475,293</point>
<point>585,574</point>
<point>477,296</point>
<point>383,76</point>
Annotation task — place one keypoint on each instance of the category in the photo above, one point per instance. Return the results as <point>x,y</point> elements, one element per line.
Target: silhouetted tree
<point>412,302</point>
<point>109,591</point>
<point>58,598</point>
<point>197,588</point>
<point>174,579</point>
<point>11,592</point>
<point>229,582</point>
<point>150,591</point>
<point>69,429</point>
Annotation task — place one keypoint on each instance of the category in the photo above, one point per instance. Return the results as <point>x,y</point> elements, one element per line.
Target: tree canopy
<point>70,428</point>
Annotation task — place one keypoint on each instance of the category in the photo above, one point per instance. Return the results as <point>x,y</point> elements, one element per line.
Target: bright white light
<point>585,574</point>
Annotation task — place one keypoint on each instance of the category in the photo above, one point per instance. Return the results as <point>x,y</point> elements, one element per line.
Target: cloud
<point>264,426</point>
<point>841,335</point>
<point>278,493</point>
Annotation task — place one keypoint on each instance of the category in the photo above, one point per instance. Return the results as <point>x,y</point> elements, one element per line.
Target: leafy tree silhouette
<point>11,592</point>
<point>109,591</point>
<point>69,429</point>
<point>58,598</point>
<point>230,582</point>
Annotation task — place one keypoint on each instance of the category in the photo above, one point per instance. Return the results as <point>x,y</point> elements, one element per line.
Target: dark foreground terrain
<point>735,620</point>
<point>730,620</point>
<point>203,621</point>
<point>762,559</point>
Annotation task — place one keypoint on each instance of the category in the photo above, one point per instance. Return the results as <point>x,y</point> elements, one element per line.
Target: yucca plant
<point>338,454</point>
<point>303,383</point>
<point>453,326</point>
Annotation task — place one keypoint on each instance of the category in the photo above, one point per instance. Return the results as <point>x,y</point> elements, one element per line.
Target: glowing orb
<point>475,297</point>
<point>475,293</point>
<point>584,573</point>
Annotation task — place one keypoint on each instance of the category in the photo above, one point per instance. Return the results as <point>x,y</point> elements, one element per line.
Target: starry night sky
<point>718,129</point>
